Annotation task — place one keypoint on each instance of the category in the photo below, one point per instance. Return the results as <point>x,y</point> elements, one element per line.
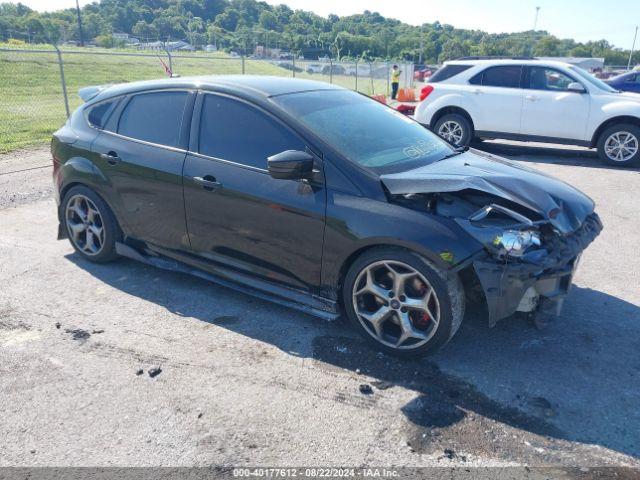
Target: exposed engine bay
<point>527,263</point>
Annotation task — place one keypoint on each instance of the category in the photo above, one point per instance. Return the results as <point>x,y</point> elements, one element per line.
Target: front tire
<point>91,225</point>
<point>455,129</point>
<point>619,145</point>
<point>400,303</point>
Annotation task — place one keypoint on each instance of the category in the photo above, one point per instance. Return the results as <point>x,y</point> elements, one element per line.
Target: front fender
<point>356,223</point>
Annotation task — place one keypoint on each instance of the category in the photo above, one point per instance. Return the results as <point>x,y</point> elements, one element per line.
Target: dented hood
<point>564,206</point>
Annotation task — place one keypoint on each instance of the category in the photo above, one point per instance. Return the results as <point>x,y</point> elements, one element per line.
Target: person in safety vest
<point>395,81</point>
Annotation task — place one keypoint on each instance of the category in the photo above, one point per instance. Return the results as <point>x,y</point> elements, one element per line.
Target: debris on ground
<point>366,389</point>
<point>97,331</point>
<point>154,371</point>
<point>139,371</point>
<point>200,415</point>
<point>78,333</point>
<point>382,384</point>
<point>451,454</point>
<point>58,325</point>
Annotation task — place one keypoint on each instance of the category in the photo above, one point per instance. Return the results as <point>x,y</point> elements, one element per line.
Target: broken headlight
<point>515,243</point>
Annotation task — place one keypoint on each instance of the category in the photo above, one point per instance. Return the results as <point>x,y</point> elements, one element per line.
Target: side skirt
<point>183,263</point>
<point>487,135</point>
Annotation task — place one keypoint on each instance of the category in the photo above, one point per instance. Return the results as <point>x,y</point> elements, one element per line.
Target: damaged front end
<point>533,230</point>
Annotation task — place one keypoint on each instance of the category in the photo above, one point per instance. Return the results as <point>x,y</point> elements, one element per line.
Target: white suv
<point>531,100</point>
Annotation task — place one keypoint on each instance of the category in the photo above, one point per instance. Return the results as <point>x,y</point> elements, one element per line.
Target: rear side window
<point>447,72</point>
<point>232,130</point>
<point>507,76</point>
<point>154,117</point>
<point>99,114</point>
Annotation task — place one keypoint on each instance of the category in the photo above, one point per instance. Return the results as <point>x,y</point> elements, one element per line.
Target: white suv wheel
<point>621,146</point>
<point>451,131</point>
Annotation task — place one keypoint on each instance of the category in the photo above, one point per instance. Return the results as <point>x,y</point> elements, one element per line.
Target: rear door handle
<point>208,182</point>
<point>531,98</point>
<point>477,91</point>
<point>112,157</point>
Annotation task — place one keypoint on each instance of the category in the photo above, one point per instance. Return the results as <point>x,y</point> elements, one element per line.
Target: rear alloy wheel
<point>620,145</point>
<point>90,224</point>
<point>400,303</point>
<point>455,129</point>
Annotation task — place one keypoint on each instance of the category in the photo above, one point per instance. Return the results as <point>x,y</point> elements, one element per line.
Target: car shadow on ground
<point>576,382</point>
<point>546,153</point>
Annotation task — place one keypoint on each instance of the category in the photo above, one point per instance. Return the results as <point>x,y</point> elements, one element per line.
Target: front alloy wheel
<point>619,145</point>
<point>401,303</point>
<point>396,305</point>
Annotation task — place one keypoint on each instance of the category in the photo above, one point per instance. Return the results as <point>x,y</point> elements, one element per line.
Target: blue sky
<point>583,20</point>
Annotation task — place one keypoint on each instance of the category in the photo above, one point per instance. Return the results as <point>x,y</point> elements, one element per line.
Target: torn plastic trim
<point>549,272</point>
<point>485,211</point>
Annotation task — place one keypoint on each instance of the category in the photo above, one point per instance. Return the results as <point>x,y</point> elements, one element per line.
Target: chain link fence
<point>38,86</point>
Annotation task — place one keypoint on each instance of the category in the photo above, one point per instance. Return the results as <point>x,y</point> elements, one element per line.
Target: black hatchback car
<point>319,198</point>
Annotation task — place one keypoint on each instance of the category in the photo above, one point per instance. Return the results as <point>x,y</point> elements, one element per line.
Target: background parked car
<point>531,100</point>
<point>627,82</point>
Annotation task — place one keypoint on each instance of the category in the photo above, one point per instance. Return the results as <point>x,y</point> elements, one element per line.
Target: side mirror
<point>290,165</point>
<point>576,87</point>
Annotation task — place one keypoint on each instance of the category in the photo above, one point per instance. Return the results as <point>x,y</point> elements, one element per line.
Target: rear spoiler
<point>87,93</point>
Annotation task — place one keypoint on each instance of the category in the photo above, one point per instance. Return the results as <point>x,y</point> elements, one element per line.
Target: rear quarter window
<point>447,72</point>
<point>98,114</point>
<point>505,76</point>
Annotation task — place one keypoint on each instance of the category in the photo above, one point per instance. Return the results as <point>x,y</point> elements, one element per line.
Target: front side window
<point>232,130</point>
<point>507,76</point>
<point>365,131</point>
<point>541,78</point>
<point>154,117</point>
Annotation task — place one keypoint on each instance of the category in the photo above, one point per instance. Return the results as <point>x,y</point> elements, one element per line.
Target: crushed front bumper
<point>538,287</point>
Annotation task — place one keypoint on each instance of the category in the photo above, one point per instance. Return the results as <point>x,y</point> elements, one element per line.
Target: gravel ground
<point>243,381</point>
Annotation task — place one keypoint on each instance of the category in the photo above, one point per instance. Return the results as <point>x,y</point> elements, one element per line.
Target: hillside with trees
<point>240,25</point>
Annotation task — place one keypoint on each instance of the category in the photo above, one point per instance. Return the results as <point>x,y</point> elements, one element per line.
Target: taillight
<point>426,91</point>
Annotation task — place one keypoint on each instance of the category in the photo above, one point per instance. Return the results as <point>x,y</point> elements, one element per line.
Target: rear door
<point>550,109</point>
<point>142,157</point>
<point>237,215</point>
<point>495,99</point>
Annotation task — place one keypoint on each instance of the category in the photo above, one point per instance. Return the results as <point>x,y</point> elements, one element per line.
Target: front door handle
<point>477,91</point>
<point>111,157</point>
<point>208,182</point>
<point>531,98</point>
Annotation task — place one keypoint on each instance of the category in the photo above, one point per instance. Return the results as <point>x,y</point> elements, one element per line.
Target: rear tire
<point>408,319</point>
<point>455,129</point>
<point>90,224</point>
<point>619,145</point>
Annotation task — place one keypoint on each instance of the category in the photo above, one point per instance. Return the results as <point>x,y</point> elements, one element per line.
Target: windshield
<point>365,131</point>
<point>593,80</point>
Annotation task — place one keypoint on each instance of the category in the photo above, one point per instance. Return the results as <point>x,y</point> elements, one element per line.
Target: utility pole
<point>632,49</point>
<point>535,22</point>
<point>79,24</point>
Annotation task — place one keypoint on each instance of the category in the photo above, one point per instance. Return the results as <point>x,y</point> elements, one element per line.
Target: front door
<point>143,159</point>
<point>550,109</point>
<point>239,216</point>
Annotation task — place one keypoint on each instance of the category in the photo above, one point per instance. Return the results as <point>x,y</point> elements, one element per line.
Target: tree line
<point>240,25</point>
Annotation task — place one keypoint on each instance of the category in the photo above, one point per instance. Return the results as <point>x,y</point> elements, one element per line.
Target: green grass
<point>32,102</point>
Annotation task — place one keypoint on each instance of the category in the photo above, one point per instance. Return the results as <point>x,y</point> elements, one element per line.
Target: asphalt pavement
<point>240,381</point>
